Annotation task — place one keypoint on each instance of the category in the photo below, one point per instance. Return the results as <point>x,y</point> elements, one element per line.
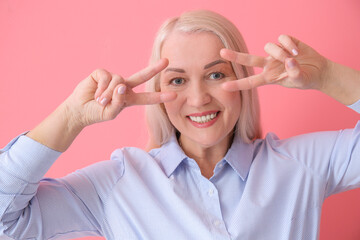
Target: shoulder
<point>295,145</point>
<point>134,155</point>
<point>311,150</point>
<point>110,171</point>
<point>300,141</point>
<point>132,158</point>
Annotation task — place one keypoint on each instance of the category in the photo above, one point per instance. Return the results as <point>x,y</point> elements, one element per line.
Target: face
<point>203,112</point>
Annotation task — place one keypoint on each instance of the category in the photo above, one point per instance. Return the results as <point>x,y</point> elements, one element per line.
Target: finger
<point>147,73</point>
<point>106,96</point>
<point>244,83</point>
<point>102,78</point>
<point>117,102</point>
<point>276,52</point>
<point>242,58</point>
<point>148,98</point>
<point>288,44</point>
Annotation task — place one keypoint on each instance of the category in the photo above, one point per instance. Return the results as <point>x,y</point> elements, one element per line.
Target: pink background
<point>47,47</point>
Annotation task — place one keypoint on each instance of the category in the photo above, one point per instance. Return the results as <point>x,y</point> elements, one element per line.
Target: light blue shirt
<point>269,189</point>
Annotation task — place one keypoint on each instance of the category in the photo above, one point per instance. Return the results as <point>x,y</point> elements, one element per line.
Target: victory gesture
<point>290,63</point>
<point>102,95</point>
<point>99,97</point>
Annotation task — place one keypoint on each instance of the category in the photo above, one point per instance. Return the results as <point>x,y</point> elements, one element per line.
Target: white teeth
<point>203,119</point>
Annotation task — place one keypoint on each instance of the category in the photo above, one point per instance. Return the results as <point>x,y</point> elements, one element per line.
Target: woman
<point>211,177</point>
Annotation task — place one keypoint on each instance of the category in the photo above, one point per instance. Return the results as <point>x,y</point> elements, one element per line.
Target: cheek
<point>232,102</point>
<point>230,99</point>
<point>236,99</point>
<point>172,108</point>
<point>173,112</point>
<point>175,106</point>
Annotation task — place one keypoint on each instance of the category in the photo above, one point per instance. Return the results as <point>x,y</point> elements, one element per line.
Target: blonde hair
<point>159,125</point>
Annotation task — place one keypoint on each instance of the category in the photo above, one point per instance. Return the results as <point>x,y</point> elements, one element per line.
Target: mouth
<point>204,119</point>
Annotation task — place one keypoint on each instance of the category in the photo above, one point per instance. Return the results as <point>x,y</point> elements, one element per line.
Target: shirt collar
<point>239,156</point>
<point>170,155</point>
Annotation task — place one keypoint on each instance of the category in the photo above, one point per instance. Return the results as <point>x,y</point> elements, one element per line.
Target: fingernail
<point>103,101</point>
<point>295,52</point>
<point>121,89</point>
<point>97,99</point>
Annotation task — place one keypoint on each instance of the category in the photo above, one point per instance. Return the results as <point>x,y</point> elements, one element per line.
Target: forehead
<point>182,48</point>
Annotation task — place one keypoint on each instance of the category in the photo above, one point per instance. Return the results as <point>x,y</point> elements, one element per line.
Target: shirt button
<point>221,165</point>
<point>217,223</point>
<point>211,192</point>
<point>172,177</point>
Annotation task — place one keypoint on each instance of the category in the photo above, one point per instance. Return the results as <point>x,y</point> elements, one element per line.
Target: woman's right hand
<point>102,95</point>
<point>99,97</point>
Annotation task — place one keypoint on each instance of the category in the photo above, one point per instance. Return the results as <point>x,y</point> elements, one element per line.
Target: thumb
<point>292,68</point>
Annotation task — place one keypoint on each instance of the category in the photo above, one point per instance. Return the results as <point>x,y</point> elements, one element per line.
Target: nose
<point>198,94</point>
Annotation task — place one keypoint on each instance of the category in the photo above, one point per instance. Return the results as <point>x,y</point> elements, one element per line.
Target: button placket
<point>212,207</point>
<point>217,223</point>
<point>211,192</point>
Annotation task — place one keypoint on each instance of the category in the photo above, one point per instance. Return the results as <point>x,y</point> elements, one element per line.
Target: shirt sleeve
<point>36,208</point>
<point>355,106</point>
<point>344,165</point>
<point>333,156</point>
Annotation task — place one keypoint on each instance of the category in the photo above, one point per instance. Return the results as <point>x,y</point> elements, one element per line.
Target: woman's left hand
<point>291,63</point>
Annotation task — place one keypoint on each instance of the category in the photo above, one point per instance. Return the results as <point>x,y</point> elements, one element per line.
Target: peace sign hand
<point>291,64</point>
<point>103,95</point>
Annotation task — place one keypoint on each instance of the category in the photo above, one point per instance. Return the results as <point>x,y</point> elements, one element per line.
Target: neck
<point>206,156</point>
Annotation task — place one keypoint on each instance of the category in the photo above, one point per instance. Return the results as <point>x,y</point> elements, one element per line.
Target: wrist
<point>71,116</point>
<point>341,83</point>
<point>325,69</point>
<point>58,130</point>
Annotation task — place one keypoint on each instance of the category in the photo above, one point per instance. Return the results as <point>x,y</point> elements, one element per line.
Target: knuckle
<point>100,71</point>
<point>102,75</point>
<point>94,73</point>
<point>117,78</point>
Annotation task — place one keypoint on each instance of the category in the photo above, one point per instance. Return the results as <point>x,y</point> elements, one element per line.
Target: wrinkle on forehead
<point>191,48</point>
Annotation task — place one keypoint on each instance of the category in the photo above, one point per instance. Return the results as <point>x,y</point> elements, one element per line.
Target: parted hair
<point>159,125</point>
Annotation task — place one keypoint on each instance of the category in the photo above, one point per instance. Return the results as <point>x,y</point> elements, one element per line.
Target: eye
<point>177,81</point>
<point>216,75</point>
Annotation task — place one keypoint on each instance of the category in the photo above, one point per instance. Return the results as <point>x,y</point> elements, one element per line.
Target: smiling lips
<point>205,119</point>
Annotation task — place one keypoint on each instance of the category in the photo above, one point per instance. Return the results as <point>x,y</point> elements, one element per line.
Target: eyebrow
<point>214,63</point>
<point>209,65</point>
<point>175,70</point>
